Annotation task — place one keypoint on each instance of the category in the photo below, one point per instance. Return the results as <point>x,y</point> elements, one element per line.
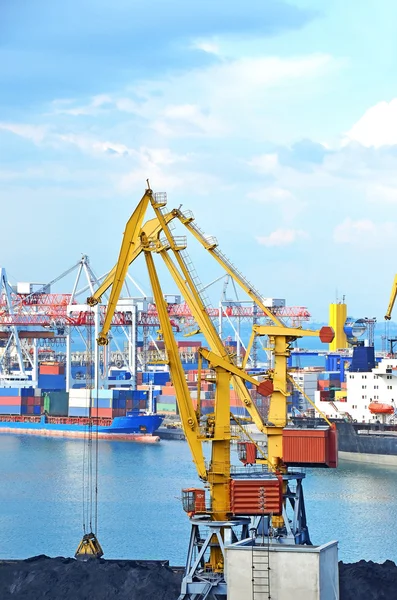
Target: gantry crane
<point>233,499</point>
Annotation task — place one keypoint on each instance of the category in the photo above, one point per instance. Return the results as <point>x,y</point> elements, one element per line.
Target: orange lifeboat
<point>380,409</point>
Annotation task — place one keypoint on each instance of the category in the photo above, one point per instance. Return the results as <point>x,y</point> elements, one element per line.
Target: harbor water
<point>140,513</point>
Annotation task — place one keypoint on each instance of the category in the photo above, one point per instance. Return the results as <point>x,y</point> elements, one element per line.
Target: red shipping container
<point>10,400</point>
<point>168,391</point>
<point>305,447</point>
<point>30,410</point>
<point>30,400</point>
<point>38,401</point>
<point>103,412</point>
<point>52,370</point>
<point>256,496</point>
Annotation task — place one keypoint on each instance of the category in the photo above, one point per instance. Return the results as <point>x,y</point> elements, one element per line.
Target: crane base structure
<point>198,582</point>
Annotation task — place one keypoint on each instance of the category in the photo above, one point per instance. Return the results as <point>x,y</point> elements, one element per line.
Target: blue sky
<point>274,122</point>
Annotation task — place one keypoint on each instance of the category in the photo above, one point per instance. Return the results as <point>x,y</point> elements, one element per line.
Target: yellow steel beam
<point>217,361</point>
<point>130,241</point>
<point>392,300</point>
<point>186,410</point>
<point>290,332</point>
<point>201,317</point>
<point>248,350</point>
<point>212,249</point>
<point>152,229</point>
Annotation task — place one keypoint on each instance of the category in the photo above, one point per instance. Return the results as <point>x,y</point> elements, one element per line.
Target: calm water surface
<point>140,512</point>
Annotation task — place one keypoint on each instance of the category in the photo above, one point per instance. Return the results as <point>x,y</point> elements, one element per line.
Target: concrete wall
<point>298,572</point>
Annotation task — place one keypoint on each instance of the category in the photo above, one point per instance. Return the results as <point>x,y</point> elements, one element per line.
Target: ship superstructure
<point>370,396</point>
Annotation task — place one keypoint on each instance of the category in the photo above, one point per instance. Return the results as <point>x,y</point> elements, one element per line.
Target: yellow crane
<point>392,300</point>
<point>233,499</point>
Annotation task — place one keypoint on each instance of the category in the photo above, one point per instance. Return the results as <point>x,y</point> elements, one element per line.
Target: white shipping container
<point>79,402</point>
<point>79,393</point>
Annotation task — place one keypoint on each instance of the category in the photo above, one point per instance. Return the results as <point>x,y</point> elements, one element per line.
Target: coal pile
<point>44,578</point>
<point>368,581</point>
<point>47,578</point>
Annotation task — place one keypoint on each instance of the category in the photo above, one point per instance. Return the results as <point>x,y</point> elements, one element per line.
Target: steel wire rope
<point>96,451</point>
<point>89,352</point>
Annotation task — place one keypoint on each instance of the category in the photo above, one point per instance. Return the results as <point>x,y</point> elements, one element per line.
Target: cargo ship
<point>113,414</point>
<point>136,426</point>
<point>365,412</point>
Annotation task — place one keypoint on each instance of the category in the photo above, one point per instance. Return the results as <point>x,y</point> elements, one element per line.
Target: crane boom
<point>186,410</point>
<point>128,245</point>
<point>152,229</point>
<point>392,300</point>
<point>211,245</point>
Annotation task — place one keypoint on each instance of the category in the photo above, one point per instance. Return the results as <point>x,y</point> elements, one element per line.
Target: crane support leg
<point>199,583</point>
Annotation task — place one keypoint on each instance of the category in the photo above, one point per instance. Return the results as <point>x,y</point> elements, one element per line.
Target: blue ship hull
<point>133,427</point>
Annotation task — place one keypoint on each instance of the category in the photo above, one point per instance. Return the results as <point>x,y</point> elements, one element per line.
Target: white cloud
<point>282,237</point>
<point>271,195</point>
<point>91,145</point>
<point>34,133</point>
<point>282,199</point>
<point>207,46</point>
<point>92,108</point>
<point>187,120</point>
<point>265,163</point>
<point>232,96</point>
<point>377,127</point>
<point>364,232</point>
<point>382,193</point>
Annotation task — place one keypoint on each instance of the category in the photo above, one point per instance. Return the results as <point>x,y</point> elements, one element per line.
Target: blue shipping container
<point>27,392</point>
<point>52,382</point>
<point>10,410</point>
<point>161,378</point>
<point>75,411</point>
<point>9,391</point>
<point>102,403</point>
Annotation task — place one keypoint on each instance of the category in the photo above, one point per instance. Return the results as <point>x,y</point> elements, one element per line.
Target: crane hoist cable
<point>89,546</point>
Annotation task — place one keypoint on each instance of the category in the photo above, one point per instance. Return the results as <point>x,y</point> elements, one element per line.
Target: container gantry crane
<point>233,499</point>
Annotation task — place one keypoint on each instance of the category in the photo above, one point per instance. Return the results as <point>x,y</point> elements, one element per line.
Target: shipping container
<point>78,411</point>
<point>26,392</point>
<point>169,407</point>
<point>161,378</point>
<point>51,369</point>
<point>10,401</point>
<point>10,410</point>
<point>9,391</point>
<point>52,382</point>
<point>256,496</point>
<point>310,447</point>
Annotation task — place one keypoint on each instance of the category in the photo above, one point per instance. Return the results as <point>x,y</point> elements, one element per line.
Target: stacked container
<point>106,403</point>
<point>56,404</point>
<point>52,376</point>
<point>329,381</point>
<point>79,402</point>
<point>19,401</point>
